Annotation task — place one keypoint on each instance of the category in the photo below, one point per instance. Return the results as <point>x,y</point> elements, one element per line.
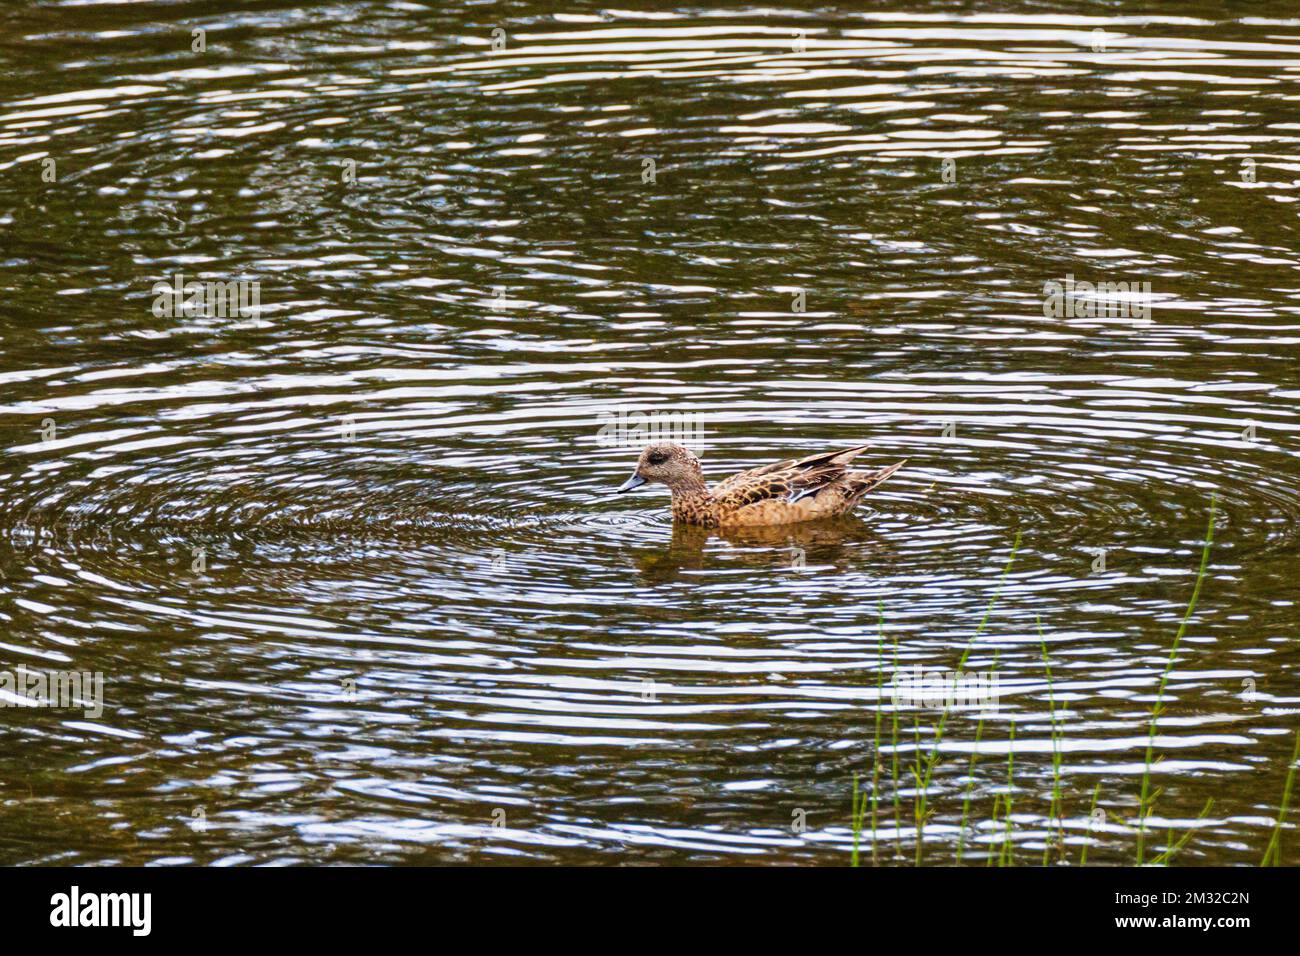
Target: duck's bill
<point>636,481</point>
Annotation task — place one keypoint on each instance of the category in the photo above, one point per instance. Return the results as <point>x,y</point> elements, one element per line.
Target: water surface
<point>351,567</point>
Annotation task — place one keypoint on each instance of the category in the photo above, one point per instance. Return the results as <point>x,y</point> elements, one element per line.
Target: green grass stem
<point>1147,799</point>
<point>1273,854</point>
<point>1054,811</point>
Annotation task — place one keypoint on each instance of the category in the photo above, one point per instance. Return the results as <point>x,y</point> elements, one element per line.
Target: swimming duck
<point>819,486</point>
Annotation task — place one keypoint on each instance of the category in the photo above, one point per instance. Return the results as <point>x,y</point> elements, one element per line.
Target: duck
<point>784,492</point>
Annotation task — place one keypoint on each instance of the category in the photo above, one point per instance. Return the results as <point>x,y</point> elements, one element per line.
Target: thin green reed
<point>997,797</point>
<point>1273,853</point>
<point>856,817</point>
<point>1092,812</point>
<point>880,703</point>
<point>932,760</point>
<point>1005,857</point>
<point>1054,812</point>
<point>918,807</point>
<point>970,786</point>
<point>898,808</point>
<point>1146,800</point>
<point>970,778</point>
<point>1173,847</point>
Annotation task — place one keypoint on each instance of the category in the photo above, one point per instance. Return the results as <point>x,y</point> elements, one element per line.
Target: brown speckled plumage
<point>819,486</point>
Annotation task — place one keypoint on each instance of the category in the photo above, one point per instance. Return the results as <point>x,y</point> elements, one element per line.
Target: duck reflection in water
<point>837,542</point>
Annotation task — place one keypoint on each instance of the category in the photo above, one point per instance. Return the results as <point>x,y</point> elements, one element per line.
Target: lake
<point>327,331</point>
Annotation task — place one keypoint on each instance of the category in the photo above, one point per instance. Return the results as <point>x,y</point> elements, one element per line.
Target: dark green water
<point>350,567</point>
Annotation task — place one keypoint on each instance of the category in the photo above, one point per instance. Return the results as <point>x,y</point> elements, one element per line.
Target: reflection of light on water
<point>419,603</point>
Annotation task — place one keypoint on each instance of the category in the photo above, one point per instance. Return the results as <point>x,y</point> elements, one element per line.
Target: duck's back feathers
<point>780,473</point>
<point>793,490</point>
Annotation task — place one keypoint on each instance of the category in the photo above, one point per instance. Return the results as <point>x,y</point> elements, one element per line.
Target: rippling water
<point>351,567</point>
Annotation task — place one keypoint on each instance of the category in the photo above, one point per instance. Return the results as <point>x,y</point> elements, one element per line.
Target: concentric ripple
<point>354,569</point>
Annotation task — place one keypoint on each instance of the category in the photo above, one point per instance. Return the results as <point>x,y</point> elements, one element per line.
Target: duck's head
<point>667,463</point>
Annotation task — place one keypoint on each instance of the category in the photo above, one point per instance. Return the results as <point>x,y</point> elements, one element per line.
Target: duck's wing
<point>742,478</point>
<point>789,480</point>
<point>858,483</point>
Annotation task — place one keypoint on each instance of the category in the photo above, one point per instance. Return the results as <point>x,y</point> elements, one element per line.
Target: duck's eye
<point>656,458</point>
